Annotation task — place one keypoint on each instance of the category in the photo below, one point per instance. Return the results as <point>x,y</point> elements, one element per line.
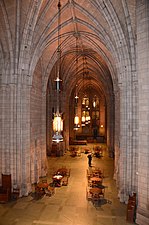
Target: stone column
<point>117,136</point>
<point>143,77</point>
<point>102,124</point>
<point>43,137</point>
<point>110,125</point>
<point>126,165</point>
<point>5,115</point>
<point>66,120</point>
<point>49,121</point>
<point>23,137</point>
<point>123,152</point>
<point>15,134</point>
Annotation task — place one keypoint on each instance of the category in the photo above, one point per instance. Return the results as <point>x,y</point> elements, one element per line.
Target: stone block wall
<point>143,104</point>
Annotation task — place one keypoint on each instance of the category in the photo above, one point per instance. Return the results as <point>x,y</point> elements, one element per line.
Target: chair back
<point>6,181</point>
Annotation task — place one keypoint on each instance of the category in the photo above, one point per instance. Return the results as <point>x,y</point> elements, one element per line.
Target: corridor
<point>69,206</point>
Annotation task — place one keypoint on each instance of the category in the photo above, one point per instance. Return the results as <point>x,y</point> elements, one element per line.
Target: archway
<point>95,80</point>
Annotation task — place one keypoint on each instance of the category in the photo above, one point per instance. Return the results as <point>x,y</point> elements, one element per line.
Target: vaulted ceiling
<point>99,26</point>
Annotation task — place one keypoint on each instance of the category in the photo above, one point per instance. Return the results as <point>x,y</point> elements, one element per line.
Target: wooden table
<point>97,171</point>
<point>95,195</point>
<point>96,179</point>
<point>96,192</point>
<point>42,185</point>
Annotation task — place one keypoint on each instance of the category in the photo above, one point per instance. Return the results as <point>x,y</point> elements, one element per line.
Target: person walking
<point>89,159</point>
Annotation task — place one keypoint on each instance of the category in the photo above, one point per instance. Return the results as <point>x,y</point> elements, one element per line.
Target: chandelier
<point>76,118</point>
<point>58,121</point>
<point>85,119</point>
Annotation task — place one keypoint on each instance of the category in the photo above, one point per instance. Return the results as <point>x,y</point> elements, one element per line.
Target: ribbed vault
<point>98,54</point>
<point>88,52</point>
<point>76,21</point>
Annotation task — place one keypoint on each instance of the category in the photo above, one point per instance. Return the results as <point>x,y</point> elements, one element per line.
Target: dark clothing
<point>89,159</point>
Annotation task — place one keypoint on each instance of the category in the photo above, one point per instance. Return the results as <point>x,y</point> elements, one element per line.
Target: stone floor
<point>68,206</point>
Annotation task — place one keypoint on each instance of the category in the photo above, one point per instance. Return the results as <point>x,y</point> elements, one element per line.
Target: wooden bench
<point>78,142</point>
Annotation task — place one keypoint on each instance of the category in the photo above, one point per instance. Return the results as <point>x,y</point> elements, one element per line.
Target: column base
<point>142,217</point>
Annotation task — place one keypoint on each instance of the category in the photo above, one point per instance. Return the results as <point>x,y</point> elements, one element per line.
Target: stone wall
<point>143,104</point>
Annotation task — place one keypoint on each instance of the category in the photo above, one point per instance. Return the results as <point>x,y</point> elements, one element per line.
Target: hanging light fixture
<point>87,102</point>
<point>94,104</point>
<point>83,118</point>
<point>87,118</point>
<point>76,118</point>
<point>83,101</point>
<point>94,101</point>
<point>76,122</point>
<point>58,121</point>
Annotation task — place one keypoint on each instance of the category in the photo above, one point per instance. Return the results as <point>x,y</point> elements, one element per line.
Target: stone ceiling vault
<point>101,28</point>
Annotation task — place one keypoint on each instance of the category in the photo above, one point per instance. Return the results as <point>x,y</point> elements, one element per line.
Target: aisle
<point>74,208</point>
<point>68,206</point>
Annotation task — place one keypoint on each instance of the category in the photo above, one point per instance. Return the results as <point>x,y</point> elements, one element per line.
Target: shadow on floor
<point>101,202</point>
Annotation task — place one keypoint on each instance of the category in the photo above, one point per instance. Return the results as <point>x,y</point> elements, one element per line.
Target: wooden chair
<point>130,213</point>
<point>51,190</point>
<point>68,173</point>
<point>44,180</point>
<point>88,195</point>
<point>101,192</point>
<point>64,181</point>
<point>95,199</point>
<point>5,189</point>
<point>78,153</point>
<point>39,192</point>
<point>4,195</point>
<point>131,208</point>
<point>15,193</point>
<point>89,182</point>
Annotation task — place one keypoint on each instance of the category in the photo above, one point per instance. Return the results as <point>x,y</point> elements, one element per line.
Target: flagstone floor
<point>69,206</point>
